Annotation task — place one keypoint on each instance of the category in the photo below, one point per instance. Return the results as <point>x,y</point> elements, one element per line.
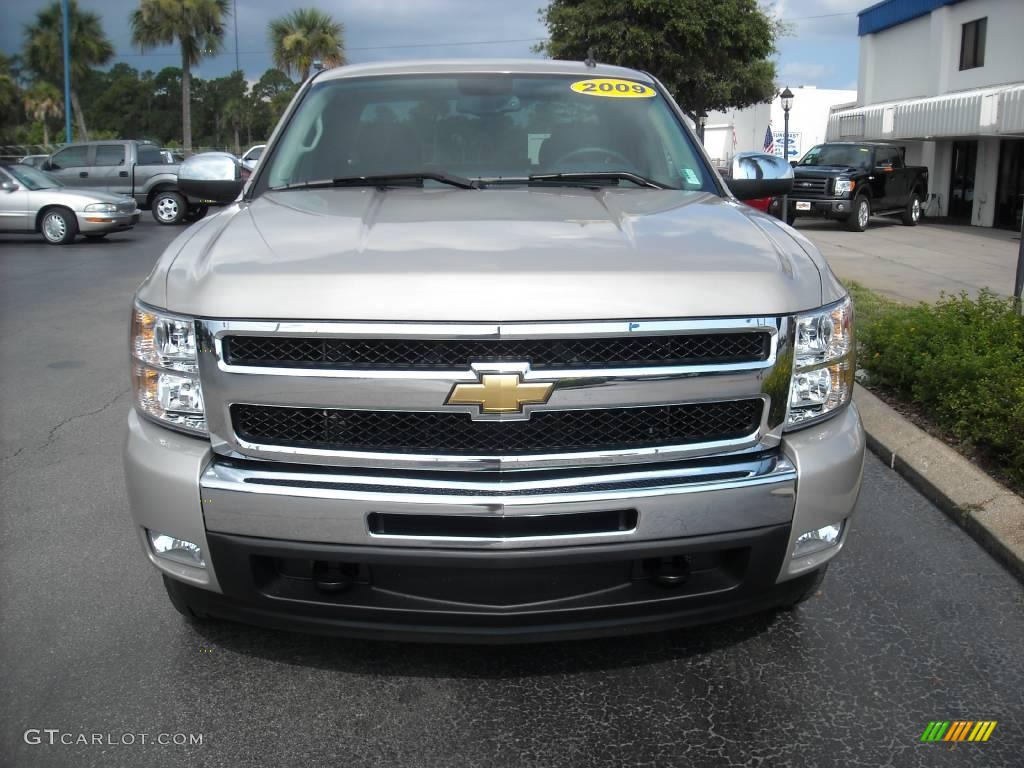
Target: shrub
<point>961,361</point>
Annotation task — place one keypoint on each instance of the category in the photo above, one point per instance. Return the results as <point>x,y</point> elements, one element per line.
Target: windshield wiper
<point>383,180</point>
<point>584,176</point>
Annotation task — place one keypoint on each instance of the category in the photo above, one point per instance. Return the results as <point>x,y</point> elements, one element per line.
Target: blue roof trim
<point>890,13</point>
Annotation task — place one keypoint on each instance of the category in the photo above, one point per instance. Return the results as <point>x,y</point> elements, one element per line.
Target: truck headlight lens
<point>104,207</point>
<point>844,187</point>
<point>165,370</point>
<point>823,363</point>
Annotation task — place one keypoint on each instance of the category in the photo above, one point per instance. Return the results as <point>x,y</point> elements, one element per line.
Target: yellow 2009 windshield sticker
<point>613,88</point>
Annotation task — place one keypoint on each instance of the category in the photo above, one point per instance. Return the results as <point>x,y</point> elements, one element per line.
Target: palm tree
<point>41,102</point>
<point>44,49</point>
<point>305,36</point>
<point>197,26</point>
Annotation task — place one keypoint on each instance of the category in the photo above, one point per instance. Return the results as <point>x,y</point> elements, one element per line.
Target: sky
<point>821,48</point>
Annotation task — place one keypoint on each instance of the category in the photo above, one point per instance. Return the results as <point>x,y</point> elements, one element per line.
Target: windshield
<point>32,178</point>
<point>845,155</point>
<point>498,128</point>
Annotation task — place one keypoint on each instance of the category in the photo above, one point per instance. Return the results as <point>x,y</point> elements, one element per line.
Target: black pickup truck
<point>852,181</point>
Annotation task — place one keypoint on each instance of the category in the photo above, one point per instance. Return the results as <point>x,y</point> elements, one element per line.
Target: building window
<point>972,44</point>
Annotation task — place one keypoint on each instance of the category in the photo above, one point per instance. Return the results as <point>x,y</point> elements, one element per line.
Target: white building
<point>945,80</point>
<point>743,130</point>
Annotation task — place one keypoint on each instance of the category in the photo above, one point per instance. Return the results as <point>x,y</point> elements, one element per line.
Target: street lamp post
<point>67,72</point>
<point>702,120</point>
<point>787,104</point>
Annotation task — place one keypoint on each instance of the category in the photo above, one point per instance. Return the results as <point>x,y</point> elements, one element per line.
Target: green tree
<point>41,102</point>
<point>198,28</point>
<point>710,55</point>
<point>269,98</point>
<point>10,98</point>
<point>44,50</point>
<point>305,36</point>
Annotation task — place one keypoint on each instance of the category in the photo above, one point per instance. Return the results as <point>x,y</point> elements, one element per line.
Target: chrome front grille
<point>620,392</point>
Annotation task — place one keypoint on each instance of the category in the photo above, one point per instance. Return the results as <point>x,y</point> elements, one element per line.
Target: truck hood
<point>488,255</point>
<point>818,171</point>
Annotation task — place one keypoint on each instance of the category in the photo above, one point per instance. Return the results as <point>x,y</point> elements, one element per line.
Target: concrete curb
<point>992,514</point>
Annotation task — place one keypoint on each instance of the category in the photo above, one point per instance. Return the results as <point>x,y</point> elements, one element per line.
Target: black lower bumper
<point>837,208</point>
<point>494,596</point>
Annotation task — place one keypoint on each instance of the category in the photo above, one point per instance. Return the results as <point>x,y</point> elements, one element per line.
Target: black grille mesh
<point>455,354</point>
<point>810,188</point>
<point>457,433</point>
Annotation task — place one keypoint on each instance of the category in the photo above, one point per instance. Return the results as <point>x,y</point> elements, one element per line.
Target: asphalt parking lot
<point>914,623</point>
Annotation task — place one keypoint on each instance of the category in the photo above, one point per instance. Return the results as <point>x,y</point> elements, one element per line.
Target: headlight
<point>104,207</point>
<point>844,187</point>
<point>165,370</point>
<point>823,363</point>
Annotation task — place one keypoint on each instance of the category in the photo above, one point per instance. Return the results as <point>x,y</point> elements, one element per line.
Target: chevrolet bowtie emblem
<point>500,393</point>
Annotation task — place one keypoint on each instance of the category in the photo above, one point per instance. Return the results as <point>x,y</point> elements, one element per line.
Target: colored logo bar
<point>958,730</point>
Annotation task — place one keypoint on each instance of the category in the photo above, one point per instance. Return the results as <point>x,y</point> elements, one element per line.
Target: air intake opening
<point>477,527</point>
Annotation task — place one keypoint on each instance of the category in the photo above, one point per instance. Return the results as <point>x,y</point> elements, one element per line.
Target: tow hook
<point>671,571</point>
<point>332,577</point>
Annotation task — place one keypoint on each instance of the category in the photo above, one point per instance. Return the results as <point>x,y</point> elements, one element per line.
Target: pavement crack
<point>51,435</point>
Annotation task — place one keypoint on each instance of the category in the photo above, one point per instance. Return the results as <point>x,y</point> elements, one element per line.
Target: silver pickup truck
<point>487,351</point>
<point>134,168</point>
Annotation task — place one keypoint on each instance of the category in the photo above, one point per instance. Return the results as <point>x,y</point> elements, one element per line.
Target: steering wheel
<point>608,154</point>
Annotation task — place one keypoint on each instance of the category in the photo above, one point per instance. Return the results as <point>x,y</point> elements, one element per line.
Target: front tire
<point>912,213</point>
<point>859,217</point>
<point>59,226</point>
<point>169,207</point>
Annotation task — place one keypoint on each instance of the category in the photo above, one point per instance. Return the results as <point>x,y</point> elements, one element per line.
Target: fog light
<point>178,550</point>
<point>817,540</point>
<point>841,207</point>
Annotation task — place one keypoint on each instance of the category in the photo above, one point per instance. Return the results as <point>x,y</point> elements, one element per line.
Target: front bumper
<point>96,222</point>
<point>839,207</point>
<point>726,527</point>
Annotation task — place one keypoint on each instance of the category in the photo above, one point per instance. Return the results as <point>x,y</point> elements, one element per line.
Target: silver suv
<point>488,351</point>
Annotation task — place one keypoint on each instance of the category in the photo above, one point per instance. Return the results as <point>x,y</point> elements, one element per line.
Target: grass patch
<point>958,362</point>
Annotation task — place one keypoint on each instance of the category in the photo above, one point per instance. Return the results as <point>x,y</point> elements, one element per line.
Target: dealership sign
<point>794,144</point>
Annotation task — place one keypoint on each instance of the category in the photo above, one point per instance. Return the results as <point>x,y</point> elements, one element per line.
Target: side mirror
<point>47,166</point>
<point>8,186</point>
<point>793,163</point>
<point>211,177</point>
<point>756,174</point>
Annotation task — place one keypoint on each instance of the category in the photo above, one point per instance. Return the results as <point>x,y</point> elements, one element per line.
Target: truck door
<point>876,181</point>
<point>111,171</point>
<point>895,173</point>
<point>72,166</point>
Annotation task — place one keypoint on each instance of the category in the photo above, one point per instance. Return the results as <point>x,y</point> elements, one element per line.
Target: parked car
<point>132,168</point>
<point>853,181</point>
<point>34,201</point>
<point>472,383</point>
<point>252,156</point>
<point>36,161</point>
